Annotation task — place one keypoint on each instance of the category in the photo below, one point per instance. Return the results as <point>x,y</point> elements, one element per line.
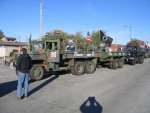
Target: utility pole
<point>130,32</point>
<point>130,28</point>
<point>41,7</point>
<point>19,38</point>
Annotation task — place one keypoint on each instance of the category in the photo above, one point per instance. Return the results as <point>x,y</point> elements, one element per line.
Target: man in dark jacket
<point>23,66</point>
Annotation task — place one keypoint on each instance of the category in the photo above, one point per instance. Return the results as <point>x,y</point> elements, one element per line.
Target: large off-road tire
<point>36,72</point>
<point>72,70</point>
<point>133,62</point>
<point>79,68</point>
<point>110,65</point>
<point>141,60</point>
<point>115,64</point>
<point>90,67</point>
<point>120,63</point>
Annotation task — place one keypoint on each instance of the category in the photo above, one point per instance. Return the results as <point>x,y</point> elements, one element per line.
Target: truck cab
<point>134,54</point>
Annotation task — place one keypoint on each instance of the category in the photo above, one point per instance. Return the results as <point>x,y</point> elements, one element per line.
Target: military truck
<point>52,55</point>
<point>135,54</point>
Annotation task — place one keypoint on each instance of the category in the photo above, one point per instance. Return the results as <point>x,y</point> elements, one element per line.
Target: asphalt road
<point>125,90</point>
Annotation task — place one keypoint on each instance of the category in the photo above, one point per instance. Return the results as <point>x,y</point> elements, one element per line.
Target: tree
<point>64,37</point>
<point>96,37</point>
<point>57,34</point>
<point>79,40</point>
<point>1,34</point>
<point>135,42</point>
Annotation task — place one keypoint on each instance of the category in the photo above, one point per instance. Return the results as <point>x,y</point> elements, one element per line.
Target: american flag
<point>88,37</point>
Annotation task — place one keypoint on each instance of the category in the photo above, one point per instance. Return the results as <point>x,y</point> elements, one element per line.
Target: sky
<point>19,18</point>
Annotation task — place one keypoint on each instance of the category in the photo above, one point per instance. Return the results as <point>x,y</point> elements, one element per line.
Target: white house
<point>8,44</point>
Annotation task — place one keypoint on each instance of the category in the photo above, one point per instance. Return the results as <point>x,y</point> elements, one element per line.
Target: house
<point>8,39</point>
<point>8,44</point>
<point>117,47</point>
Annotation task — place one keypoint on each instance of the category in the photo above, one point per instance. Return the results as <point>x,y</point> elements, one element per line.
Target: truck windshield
<point>131,49</point>
<point>38,46</point>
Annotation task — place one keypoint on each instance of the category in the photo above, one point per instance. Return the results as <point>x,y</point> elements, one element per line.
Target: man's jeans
<point>23,79</point>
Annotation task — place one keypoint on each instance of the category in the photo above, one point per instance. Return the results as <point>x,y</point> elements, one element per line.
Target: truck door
<point>52,50</point>
<point>53,54</point>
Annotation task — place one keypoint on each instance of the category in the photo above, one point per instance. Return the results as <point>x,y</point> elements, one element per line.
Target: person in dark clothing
<point>24,65</point>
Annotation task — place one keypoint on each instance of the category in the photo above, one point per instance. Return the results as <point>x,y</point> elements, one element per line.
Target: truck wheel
<point>36,72</point>
<point>141,60</point>
<point>120,63</point>
<point>110,65</point>
<point>72,70</point>
<point>90,67</point>
<point>133,62</point>
<point>115,64</point>
<point>79,68</point>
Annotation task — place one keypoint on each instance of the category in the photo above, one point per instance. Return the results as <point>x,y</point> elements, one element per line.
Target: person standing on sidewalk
<point>24,65</point>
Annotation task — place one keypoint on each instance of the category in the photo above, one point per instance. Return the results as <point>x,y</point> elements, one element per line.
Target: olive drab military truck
<point>135,54</point>
<point>50,56</point>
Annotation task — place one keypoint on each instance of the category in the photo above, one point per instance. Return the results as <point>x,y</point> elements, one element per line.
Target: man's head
<point>24,50</point>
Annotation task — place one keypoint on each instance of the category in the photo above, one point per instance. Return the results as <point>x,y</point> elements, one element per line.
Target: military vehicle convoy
<point>135,54</point>
<point>51,55</point>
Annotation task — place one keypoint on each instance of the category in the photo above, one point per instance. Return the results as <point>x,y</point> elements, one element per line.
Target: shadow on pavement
<point>43,84</point>
<point>91,106</point>
<point>7,87</point>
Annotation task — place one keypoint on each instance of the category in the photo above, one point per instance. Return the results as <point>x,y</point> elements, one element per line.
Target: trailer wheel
<point>141,60</point>
<point>90,67</point>
<point>36,72</point>
<point>115,64</point>
<point>133,62</point>
<point>120,63</point>
<point>79,68</point>
<point>110,65</point>
<point>72,70</point>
